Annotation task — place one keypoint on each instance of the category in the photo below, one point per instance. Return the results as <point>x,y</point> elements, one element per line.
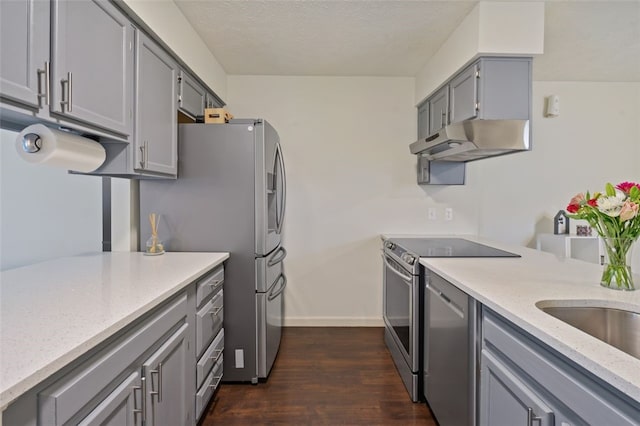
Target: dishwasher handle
<point>447,301</point>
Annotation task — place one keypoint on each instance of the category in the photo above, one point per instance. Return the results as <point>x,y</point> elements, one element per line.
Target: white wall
<point>595,140</point>
<point>45,212</point>
<point>167,21</point>
<point>350,178</point>
<point>491,28</point>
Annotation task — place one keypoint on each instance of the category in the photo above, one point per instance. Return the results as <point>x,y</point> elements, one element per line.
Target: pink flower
<point>578,199</point>
<point>629,210</point>
<point>626,186</point>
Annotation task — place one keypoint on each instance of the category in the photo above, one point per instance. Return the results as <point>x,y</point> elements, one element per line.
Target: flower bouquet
<point>615,217</point>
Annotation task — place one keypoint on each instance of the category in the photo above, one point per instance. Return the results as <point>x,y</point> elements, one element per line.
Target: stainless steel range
<point>405,297</point>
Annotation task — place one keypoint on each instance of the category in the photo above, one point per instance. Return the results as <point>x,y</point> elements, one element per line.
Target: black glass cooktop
<point>449,247</point>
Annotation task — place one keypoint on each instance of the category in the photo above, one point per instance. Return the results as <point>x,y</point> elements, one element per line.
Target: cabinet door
<point>169,400</point>
<point>464,95</point>
<point>212,101</point>
<point>92,66</point>
<point>24,51</point>
<point>120,408</point>
<point>191,96</point>
<point>156,140</point>
<point>423,120</point>
<point>505,399</point>
<point>438,110</point>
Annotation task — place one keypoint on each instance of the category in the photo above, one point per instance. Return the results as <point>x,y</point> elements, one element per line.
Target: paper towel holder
<point>31,143</point>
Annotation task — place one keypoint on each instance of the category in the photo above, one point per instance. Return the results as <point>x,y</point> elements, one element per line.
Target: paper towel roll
<point>59,149</point>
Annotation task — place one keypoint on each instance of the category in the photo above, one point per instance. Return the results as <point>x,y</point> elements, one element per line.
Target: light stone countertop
<point>513,286</point>
<point>53,312</point>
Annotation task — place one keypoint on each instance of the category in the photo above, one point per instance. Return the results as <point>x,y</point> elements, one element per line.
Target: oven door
<point>401,309</point>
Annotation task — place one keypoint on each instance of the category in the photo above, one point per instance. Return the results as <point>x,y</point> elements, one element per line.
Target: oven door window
<point>398,308</point>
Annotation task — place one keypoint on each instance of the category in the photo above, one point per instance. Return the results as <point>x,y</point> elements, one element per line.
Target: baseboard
<point>333,322</point>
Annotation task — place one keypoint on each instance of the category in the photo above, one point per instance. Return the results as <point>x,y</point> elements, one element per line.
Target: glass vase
<point>617,269</point>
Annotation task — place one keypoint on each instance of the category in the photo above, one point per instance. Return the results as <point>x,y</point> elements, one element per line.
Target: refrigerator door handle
<point>274,293</point>
<point>275,259</point>
<point>280,219</point>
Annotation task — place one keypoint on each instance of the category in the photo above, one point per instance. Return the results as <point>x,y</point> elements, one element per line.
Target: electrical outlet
<point>431,213</point>
<point>448,213</point>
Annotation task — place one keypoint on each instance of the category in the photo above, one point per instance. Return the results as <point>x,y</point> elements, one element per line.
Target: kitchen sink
<point>617,327</point>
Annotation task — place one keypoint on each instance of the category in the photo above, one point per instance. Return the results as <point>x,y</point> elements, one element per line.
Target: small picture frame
<point>583,230</point>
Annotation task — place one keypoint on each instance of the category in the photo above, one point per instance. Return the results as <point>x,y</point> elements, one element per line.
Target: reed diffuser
<point>154,245</point>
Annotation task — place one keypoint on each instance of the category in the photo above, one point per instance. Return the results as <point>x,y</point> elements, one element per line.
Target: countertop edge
<point>16,390</point>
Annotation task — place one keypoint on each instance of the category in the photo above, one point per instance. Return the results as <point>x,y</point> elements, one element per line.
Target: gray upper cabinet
<point>191,95</point>
<point>423,120</point>
<point>212,101</point>
<point>439,110</point>
<point>91,75</point>
<point>491,88</point>
<point>464,95</point>
<point>24,52</point>
<point>156,141</point>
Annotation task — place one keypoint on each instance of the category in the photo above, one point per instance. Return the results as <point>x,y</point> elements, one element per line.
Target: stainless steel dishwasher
<point>450,322</point>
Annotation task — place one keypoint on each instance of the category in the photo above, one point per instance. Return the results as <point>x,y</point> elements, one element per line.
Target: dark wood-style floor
<point>323,376</point>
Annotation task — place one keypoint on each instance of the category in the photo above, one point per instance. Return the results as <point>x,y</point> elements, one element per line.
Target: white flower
<point>611,206</point>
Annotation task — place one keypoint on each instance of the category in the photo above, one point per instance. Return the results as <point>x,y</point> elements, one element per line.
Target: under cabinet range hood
<point>474,139</point>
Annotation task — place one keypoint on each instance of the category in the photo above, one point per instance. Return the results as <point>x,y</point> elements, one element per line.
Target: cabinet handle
<point>47,73</point>
<point>142,155</point>
<point>68,82</point>
<point>158,393</point>
<point>532,418</point>
<point>216,283</point>
<point>217,379</point>
<point>215,311</point>
<point>143,405</point>
<point>217,357</point>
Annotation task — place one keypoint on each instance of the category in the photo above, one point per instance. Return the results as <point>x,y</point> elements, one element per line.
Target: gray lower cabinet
<point>119,408</point>
<point>156,141</point>
<point>505,398</point>
<point>523,381</point>
<point>209,338</point>
<point>92,51</point>
<point>24,52</point>
<point>166,373</point>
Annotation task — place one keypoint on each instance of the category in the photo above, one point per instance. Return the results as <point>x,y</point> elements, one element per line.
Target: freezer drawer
<point>209,285</point>
<point>270,314</point>
<point>208,388</point>
<point>212,355</point>
<point>209,322</point>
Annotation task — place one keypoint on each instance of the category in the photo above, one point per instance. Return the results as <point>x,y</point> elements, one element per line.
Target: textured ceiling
<point>584,40</point>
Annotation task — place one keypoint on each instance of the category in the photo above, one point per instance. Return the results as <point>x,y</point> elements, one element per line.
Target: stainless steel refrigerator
<point>230,196</point>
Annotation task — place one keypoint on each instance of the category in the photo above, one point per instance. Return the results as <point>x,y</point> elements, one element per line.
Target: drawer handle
<point>217,356</point>
<point>215,311</point>
<point>217,379</point>
<point>215,283</point>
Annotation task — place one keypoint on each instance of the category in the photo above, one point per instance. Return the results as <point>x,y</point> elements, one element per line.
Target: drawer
<point>209,322</point>
<point>58,403</point>
<point>209,285</point>
<point>209,387</point>
<point>209,358</point>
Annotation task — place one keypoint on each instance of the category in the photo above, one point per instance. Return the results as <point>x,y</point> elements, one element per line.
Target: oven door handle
<point>407,278</point>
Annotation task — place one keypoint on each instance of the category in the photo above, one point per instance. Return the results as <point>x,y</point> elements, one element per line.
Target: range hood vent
<point>474,139</point>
